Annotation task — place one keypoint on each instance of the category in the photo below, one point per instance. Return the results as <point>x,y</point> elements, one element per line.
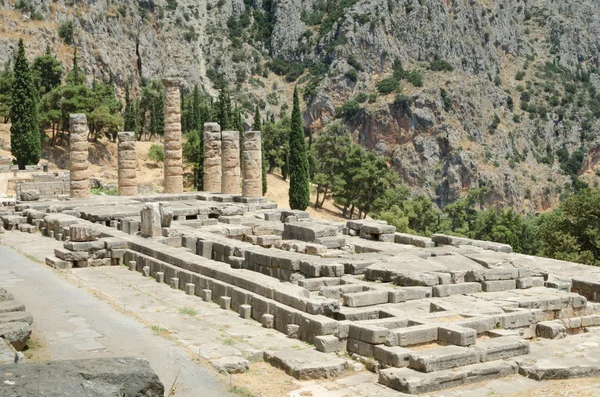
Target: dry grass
<point>268,380</point>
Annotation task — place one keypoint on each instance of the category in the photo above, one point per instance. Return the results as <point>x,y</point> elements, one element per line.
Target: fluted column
<point>212,158</point>
<point>230,163</point>
<point>252,165</point>
<point>173,175</point>
<point>78,156</point>
<point>127,164</point>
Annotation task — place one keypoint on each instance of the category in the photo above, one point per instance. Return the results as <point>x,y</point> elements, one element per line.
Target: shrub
<point>349,110</point>
<point>446,100</point>
<point>441,65</point>
<point>354,63</point>
<point>361,98</point>
<point>415,78</point>
<point>65,32</point>
<point>403,102</point>
<point>156,153</point>
<point>388,85</point>
<point>352,75</point>
<point>520,75</point>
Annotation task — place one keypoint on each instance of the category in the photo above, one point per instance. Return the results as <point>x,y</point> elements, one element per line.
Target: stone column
<point>212,158</point>
<point>230,163</point>
<point>78,156</point>
<point>127,164</point>
<point>252,165</point>
<point>173,182</point>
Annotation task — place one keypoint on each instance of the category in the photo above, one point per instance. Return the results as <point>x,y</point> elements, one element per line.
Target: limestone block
<point>83,232</point>
<point>252,165</point>
<point>230,163</point>
<point>267,320</point>
<point>442,358</point>
<point>151,220</point>
<point>212,158</point>
<point>245,311</point>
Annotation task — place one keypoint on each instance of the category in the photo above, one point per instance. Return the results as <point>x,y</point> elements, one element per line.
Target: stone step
<point>410,381</point>
<point>57,263</point>
<point>307,363</point>
<point>501,348</point>
<point>443,358</point>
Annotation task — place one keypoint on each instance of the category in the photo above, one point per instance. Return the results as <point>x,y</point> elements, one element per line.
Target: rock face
<point>127,164</point>
<point>441,143</point>
<point>78,156</point>
<point>212,158</point>
<point>252,165</point>
<point>172,140</point>
<point>151,220</point>
<point>230,163</point>
<point>101,377</point>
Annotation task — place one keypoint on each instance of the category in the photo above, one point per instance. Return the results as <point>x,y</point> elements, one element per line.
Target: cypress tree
<point>25,138</point>
<point>298,161</point>
<point>196,118</point>
<point>129,116</point>
<point>222,112</point>
<point>257,126</point>
<point>75,76</point>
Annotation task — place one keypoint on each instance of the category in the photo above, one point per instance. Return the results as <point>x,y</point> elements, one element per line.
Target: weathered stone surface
<point>212,158</point>
<point>307,363</point>
<point>442,358</point>
<point>166,214</point>
<point>29,195</point>
<point>127,179</point>
<point>11,306</point>
<point>173,164</point>
<point>83,232</point>
<point>151,220</point>
<point>252,164</point>
<point>100,377</point>
<point>230,163</point>
<point>501,348</point>
<point>232,364</point>
<point>80,185</point>
<point>16,333</point>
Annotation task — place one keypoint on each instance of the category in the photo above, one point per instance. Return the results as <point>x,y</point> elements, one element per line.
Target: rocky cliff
<point>495,93</point>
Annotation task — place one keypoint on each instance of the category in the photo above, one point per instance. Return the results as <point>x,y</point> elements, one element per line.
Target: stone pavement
<point>70,323</point>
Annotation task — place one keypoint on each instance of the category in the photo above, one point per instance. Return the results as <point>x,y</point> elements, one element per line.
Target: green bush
<point>349,110</point>
<point>156,153</point>
<point>403,102</point>
<point>352,75</point>
<point>361,98</point>
<point>441,65</point>
<point>520,75</point>
<point>415,78</point>
<point>387,85</point>
<point>65,32</point>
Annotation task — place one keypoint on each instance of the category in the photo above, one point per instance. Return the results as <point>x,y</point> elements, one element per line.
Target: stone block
<point>206,295</point>
<point>501,348</point>
<point>225,302</point>
<point>456,289</point>
<point>393,356</point>
<point>67,255</point>
<point>160,277</point>
<point>524,283</point>
<point>267,320</point>
<point>551,330</point>
<point>499,285</point>
<point>368,333</point>
<point>366,298</point>
<point>190,289</point>
<point>456,335</point>
<point>174,283</point>
<point>361,348</point>
<point>330,344</point>
<point>442,358</point>
<point>232,364</point>
<point>292,331</point>
<point>413,293</point>
<point>245,311</point>
<point>412,335</point>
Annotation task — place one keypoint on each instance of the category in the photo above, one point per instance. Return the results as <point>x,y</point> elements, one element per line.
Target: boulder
<point>16,333</point>
<point>30,195</point>
<point>101,377</point>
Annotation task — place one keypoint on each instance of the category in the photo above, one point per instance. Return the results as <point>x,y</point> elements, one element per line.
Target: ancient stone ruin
<point>252,165</point>
<point>230,163</point>
<point>173,174</point>
<point>127,164</point>
<point>212,158</point>
<point>78,156</point>
<point>424,313</point>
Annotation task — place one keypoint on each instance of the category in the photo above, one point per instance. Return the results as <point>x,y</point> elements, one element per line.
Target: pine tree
<point>75,76</point>
<point>222,111</point>
<point>25,139</point>
<point>46,72</point>
<point>298,161</point>
<point>257,126</point>
<point>129,115</point>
